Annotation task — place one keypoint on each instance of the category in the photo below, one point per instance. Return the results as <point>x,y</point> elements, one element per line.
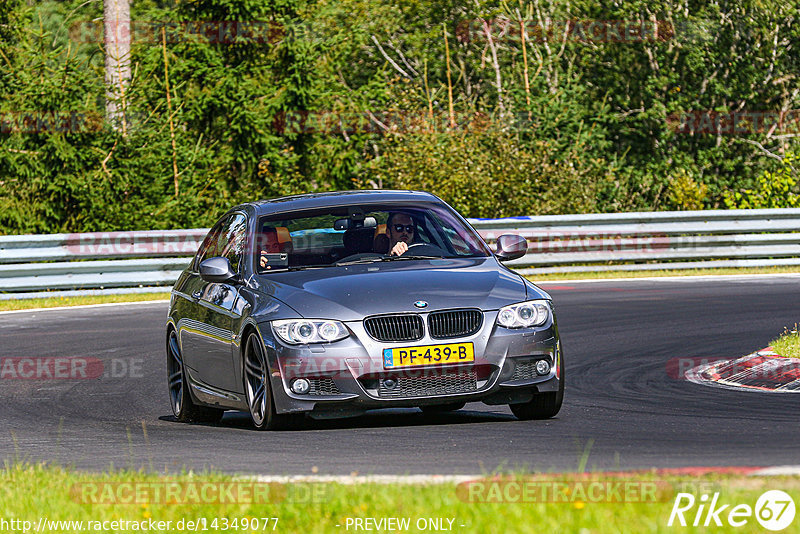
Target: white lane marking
<point>365,479</point>
<point>777,470</point>
<point>84,306</point>
<point>685,278</point>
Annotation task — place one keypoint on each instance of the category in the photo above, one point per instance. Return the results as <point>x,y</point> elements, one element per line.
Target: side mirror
<point>511,247</point>
<point>217,270</point>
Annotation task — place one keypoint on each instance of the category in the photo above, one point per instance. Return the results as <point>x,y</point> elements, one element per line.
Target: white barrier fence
<point>657,240</point>
<point>129,261</point>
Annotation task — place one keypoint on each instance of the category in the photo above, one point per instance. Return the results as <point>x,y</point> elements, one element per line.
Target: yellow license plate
<point>428,355</point>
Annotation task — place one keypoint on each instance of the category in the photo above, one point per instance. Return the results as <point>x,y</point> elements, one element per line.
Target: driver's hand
<point>399,249</point>
<point>263,261</point>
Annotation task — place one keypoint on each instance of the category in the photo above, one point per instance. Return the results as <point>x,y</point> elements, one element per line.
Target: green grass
<point>788,344</point>
<point>54,302</point>
<point>28,492</point>
<point>661,273</point>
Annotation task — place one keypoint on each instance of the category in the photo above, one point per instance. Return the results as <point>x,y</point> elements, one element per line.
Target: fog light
<point>300,386</point>
<point>390,383</point>
<point>542,367</point>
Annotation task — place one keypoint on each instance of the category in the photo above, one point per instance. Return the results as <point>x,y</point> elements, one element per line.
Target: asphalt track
<point>622,410</point>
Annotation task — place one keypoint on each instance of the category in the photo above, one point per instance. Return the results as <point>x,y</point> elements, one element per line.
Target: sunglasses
<point>400,227</point>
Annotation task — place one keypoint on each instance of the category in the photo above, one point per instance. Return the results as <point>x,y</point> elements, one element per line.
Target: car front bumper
<point>348,377</point>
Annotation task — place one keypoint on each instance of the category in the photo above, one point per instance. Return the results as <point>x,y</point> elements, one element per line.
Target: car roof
<point>339,198</point>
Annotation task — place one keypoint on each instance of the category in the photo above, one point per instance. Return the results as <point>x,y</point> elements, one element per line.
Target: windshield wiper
<point>360,260</point>
<point>407,257</point>
<point>387,258</point>
<point>292,268</point>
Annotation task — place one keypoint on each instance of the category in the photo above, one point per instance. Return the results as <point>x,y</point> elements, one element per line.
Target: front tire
<point>183,407</point>
<point>543,405</point>
<point>258,390</point>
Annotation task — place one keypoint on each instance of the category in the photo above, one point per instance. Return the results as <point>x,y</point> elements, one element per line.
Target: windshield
<point>362,234</point>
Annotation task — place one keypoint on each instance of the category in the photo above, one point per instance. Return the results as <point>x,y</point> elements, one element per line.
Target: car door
<point>192,329</point>
<point>215,359</point>
<point>211,335</point>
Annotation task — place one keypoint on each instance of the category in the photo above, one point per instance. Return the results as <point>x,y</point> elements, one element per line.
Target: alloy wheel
<point>175,373</point>
<point>255,371</point>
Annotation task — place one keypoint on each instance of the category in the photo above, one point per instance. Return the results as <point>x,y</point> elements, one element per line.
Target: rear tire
<point>441,408</point>
<point>183,407</point>
<point>258,390</point>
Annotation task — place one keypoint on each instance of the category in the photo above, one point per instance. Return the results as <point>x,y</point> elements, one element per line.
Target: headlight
<point>303,331</point>
<point>524,314</point>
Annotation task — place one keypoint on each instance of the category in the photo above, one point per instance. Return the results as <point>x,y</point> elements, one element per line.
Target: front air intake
<point>395,327</point>
<point>454,323</point>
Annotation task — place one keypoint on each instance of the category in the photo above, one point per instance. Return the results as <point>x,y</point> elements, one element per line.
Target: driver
<point>401,230</point>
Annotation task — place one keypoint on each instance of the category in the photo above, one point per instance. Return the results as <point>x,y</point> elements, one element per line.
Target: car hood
<point>349,293</point>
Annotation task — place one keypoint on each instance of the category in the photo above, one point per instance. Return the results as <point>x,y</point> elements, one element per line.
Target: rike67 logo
<point>774,510</point>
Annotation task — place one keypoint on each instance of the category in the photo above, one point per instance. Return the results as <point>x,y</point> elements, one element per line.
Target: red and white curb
<point>763,370</point>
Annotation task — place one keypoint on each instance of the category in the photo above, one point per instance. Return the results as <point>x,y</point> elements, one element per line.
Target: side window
<point>208,248</point>
<point>423,233</point>
<point>232,238</point>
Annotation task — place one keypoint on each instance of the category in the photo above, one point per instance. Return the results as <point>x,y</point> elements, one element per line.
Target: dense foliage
<point>340,94</point>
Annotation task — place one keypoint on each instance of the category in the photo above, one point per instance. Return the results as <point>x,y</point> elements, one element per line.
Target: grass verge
<point>30,492</point>
<point>788,344</point>
<point>56,302</point>
<point>661,273</point>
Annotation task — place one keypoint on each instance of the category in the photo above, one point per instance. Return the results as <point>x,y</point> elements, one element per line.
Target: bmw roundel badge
<point>421,304</point>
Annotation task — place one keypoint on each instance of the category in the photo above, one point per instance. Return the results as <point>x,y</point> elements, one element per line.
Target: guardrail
<point>651,241</point>
<point>118,260</point>
<point>140,261</point>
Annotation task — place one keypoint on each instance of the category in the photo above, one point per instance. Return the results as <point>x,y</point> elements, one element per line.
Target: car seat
<point>380,240</point>
<point>358,240</point>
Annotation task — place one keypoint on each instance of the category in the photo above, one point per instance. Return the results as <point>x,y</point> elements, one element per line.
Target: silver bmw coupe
<point>331,304</point>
